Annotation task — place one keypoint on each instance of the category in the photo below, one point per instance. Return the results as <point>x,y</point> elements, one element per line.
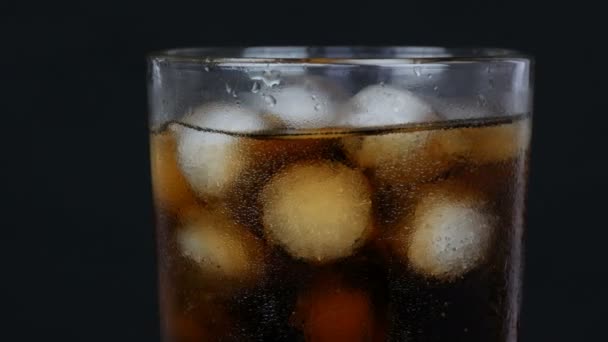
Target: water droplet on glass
<point>314,97</point>
<point>270,100</point>
<point>429,76</point>
<point>481,100</point>
<point>317,107</point>
<point>417,71</point>
<point>270,78</point>
<point>228,88</point>
<point>206,68</point>
<point>491,83</point>
<point>382,84</point>
<point>488,69</point>
<point>255,87</point>
<point>435,88</point>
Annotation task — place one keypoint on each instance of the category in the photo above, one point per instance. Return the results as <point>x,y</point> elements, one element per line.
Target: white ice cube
<point>310,102</point>
<point>449,234</point>
<point>212,161</point>
<point>224,250</point>
<point>383,105</point>
<point>399,156</point>
<point>317,211</point>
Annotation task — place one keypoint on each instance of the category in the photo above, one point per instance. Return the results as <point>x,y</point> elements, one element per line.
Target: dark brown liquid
<point>372,294</point>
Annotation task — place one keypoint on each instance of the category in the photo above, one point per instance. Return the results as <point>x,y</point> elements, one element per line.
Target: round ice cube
<point>317,211</point>
<point>449,233</point>
<point>225,251</point>
<point>305,102</point>
<point>383,105</point>
<point>212,161</point>
<point>398,156</point>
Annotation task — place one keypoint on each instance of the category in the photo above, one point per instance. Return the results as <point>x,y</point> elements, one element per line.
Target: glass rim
<point>337,55</point>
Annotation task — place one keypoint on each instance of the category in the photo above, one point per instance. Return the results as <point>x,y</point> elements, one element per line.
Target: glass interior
<point>462,83</point>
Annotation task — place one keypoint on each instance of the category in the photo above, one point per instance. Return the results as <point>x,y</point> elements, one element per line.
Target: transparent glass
<point>339,193</point>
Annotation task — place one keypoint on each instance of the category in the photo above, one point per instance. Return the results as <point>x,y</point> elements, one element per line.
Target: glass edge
<point>507,54</point>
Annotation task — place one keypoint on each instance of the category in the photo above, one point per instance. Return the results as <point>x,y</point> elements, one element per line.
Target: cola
<point>398,232</point>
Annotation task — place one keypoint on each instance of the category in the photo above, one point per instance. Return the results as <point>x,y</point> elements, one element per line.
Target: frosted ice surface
<point>210,161</point>
<point>317,211</point>
<point>450,235</point>
<point>383,105</point>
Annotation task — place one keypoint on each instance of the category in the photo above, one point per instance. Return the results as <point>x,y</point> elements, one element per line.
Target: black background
<point>80,244</point>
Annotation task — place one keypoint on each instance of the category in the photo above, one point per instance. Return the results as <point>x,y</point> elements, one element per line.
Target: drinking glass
<point>339,193</point>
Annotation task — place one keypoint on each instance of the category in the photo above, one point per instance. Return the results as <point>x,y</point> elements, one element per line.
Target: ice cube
<point>317,211</point>
<point>383,105</point>
<point>407,157</point>
<point>448,234</point>
<point>212,161</point>
<point>498,143</point>
<point>171,191</point>
<point>398,156</point>
<point>331,311</point>
<point>310,102</point>
<point>225,251</point>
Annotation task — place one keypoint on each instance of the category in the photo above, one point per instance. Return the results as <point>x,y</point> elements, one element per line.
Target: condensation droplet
<point>429,76</point>
<point>228,88</point>
<point>206,68</point>
<point>417,71</point>
<point>255,87</point>
<point>270,100</point>
<point>435,88</point>
<point>270,78</point>
<point>317,107</point>
<point>481,100</point>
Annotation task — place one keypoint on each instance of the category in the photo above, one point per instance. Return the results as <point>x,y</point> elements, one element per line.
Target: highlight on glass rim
<point>339,193</point>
